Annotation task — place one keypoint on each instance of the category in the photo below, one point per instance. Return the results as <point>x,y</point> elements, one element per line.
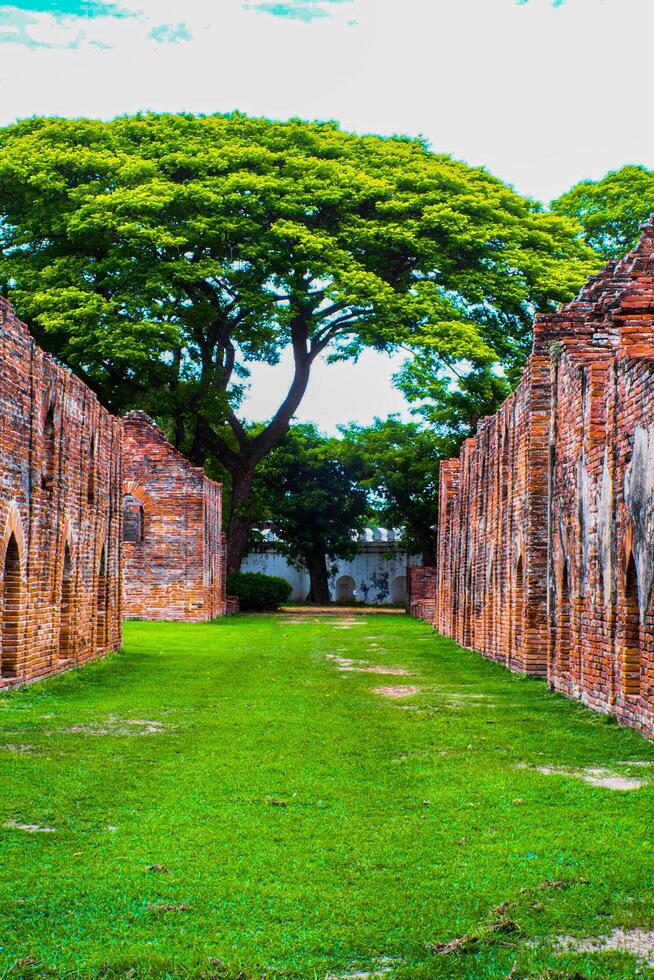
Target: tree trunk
<point>319,579</point>
<point>241,462</point>
<point>240,520</point>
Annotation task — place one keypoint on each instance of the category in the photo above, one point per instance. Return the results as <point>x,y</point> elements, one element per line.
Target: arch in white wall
<point>398,589</point>
<point>345,590</point>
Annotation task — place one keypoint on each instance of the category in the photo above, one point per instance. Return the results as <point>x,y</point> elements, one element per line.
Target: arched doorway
<point>12,595</point>
<point>518,609</point>
<point>345,589</point>
<point>564,624</point>
<point>66,620</point>
<point>102,602</point>
<point>630,632</point>
<point>398,589</point>
<point>90,485</point>
<point>133,520</point>
<point>49,450</point>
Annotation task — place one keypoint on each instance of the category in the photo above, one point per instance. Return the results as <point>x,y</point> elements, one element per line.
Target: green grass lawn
<point>305,826</point>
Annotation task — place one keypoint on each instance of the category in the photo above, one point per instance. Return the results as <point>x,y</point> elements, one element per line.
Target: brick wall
<point>421,592</point>
<point>492,568</point>
<point>174,548</point>
<point>60,460</point>
<point>546,521</point>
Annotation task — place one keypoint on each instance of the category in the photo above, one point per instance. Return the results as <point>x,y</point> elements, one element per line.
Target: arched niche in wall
<point>345,589</point>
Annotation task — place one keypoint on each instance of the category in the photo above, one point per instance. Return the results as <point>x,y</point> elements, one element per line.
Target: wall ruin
<point>60,476</point>
<point>174,550</point>
<point>546,520</point>
<point>421,592</point>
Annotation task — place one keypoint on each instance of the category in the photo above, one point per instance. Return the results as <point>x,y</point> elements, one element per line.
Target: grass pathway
<point>237,799</point>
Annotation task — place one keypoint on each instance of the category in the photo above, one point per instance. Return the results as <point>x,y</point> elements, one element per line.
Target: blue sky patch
<point>170,33</point>
<point>61,8</point>
<point>306,10</point>
<point>15,28</point>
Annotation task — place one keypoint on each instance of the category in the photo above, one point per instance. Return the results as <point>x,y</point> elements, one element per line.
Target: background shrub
<point>258,592</point>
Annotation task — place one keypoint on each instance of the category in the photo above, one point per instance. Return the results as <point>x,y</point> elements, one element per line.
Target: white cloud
<point>542,95</point>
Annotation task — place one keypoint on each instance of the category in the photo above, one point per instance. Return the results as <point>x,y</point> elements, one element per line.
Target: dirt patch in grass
<point>18,749</point>
<point>638,942</point>
<point>384,966</point>
<point>603,778</point>
<point>465,700</point>
<point>119,726</point>
<point>398,691</point>
<point>363,667</point>
<point>29,828</point>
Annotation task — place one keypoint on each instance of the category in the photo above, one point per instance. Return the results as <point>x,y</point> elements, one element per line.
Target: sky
<point>541,93</point>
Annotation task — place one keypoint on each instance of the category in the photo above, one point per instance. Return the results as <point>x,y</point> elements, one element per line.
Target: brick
<point>421,591</point>
<point>174,548</point>
<point>73,480</point>
<point>546,545</point>
<point>60,503</point>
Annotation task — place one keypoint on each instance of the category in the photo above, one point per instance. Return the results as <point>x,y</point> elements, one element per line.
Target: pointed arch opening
<point>133,520</point>
<point>518,609</point>
<point>102,602</point>
<point>564,622</point>
<point>630,633</point>
<point>91,481</point>
<point>49,468</point>
<point>67,613</point>
<point>12,602</point>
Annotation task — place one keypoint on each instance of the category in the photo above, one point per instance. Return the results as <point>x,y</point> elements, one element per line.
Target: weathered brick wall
<point>60,500</point>
<point>174,548</point>
<point>602,492</point>
<point>546,522</point>
<point>421,592</point>
<point>492,553</point>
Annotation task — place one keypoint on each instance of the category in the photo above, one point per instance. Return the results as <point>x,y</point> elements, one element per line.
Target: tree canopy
<point>161,255</point>
<point>611,210</point>
<point>315,502</point>
<point>398,463</point>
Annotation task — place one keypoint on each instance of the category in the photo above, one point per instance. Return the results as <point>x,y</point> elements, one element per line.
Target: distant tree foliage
<point>160,255</point>
<point>611,210</point>
<point>398,463</point>
<point>452,399</point>
<point>315,502</point>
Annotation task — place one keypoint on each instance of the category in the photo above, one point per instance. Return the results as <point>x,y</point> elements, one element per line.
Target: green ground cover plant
<point>257,592</point>
<point>239,799</point>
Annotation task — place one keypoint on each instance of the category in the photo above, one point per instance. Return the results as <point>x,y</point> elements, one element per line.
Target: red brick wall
<point>421,592</point>
<point>60,585</point>
<point>546,522</point>
<point>177,570</point>
<point>601,645</point>
<point>492,568</point>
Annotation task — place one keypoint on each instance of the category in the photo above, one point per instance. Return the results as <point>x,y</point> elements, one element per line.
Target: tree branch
<point>303,358</point>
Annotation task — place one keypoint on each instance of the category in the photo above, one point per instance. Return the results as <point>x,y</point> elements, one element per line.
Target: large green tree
<point>315,502</point>
<point>398,463</point>
<point>611,210</point>
<point>160,255</point>
<point>452,399</point>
